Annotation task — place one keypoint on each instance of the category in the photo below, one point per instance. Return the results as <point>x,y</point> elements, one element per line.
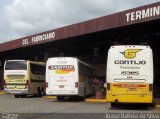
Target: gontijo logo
<point>130,53</point>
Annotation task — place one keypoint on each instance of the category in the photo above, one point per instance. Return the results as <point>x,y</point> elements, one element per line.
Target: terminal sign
<point>142,14</point>
<point>38,38</point>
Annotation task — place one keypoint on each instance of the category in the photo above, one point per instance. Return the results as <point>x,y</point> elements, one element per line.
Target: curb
<point>158,106</point>
<point>96,100</point>
<point>1,92</point>
<point>50,97</point>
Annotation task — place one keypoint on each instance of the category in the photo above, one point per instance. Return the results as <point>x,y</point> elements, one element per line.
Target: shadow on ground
<point>133,107</point>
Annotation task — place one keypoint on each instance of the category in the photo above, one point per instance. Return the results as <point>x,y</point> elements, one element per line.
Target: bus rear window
<point>16,65</point>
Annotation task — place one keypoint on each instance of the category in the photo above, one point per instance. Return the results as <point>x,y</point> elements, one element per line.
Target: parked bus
<point>23,77</point>
<point>1,79</point>
<point>129,75</point>
<point>68,76</point>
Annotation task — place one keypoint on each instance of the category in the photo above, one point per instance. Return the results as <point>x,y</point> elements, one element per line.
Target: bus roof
<point>26,60</point>
<point>71,58</point>
<point>130,46</point>
<point>15,60</point>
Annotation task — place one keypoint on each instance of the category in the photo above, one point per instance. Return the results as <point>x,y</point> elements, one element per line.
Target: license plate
<point>61,86</point>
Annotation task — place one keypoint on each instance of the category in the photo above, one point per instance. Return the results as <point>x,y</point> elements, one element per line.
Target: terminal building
<point>90,40</point>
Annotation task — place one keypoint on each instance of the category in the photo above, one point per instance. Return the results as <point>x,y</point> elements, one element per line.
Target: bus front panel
<point>15,77</point>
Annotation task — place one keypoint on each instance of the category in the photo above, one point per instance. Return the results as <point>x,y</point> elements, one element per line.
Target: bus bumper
<point>129,98</point>
<point>56,92</point>
<point>25,91</point>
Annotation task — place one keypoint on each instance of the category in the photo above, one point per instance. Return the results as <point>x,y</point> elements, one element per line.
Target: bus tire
<point>38,91</point>
<point>42,91</point>
<point>60,98</point>
<point>24,95</point>
<point>84,94</point>
<point>113,104</point>
<point>152,104</point>
<point>16,96</point>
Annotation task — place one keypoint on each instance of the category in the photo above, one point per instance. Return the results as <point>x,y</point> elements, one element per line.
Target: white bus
<point>68,76</point>
<point>129,74</point>
<point>23,77</point>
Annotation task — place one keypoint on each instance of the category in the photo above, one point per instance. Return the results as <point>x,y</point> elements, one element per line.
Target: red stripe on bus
<point>128,85</point>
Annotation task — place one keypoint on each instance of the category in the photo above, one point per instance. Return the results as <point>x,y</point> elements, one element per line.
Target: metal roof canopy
<point>125,19</point>
<point>135,26</point>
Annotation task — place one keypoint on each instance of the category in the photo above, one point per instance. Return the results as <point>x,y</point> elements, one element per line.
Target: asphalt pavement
<point>42,108</point>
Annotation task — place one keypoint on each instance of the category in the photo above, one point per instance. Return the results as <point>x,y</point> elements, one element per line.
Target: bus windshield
<point>16,65</point>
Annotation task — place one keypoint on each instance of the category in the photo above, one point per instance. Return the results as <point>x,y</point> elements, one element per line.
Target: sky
<point>20,18</point>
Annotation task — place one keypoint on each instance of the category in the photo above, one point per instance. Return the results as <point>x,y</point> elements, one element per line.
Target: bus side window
<point>85,72</point>
<point>37,69</point>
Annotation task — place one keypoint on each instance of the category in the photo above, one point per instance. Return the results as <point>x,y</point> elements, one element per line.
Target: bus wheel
<point>84,94</point>
<point>39,91</point>
<point>24,95</point>
<point>113,104</point>
<point>16,96</point>
<point>152,104</point>
<point>42,91</point>
<point>60,98</point>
